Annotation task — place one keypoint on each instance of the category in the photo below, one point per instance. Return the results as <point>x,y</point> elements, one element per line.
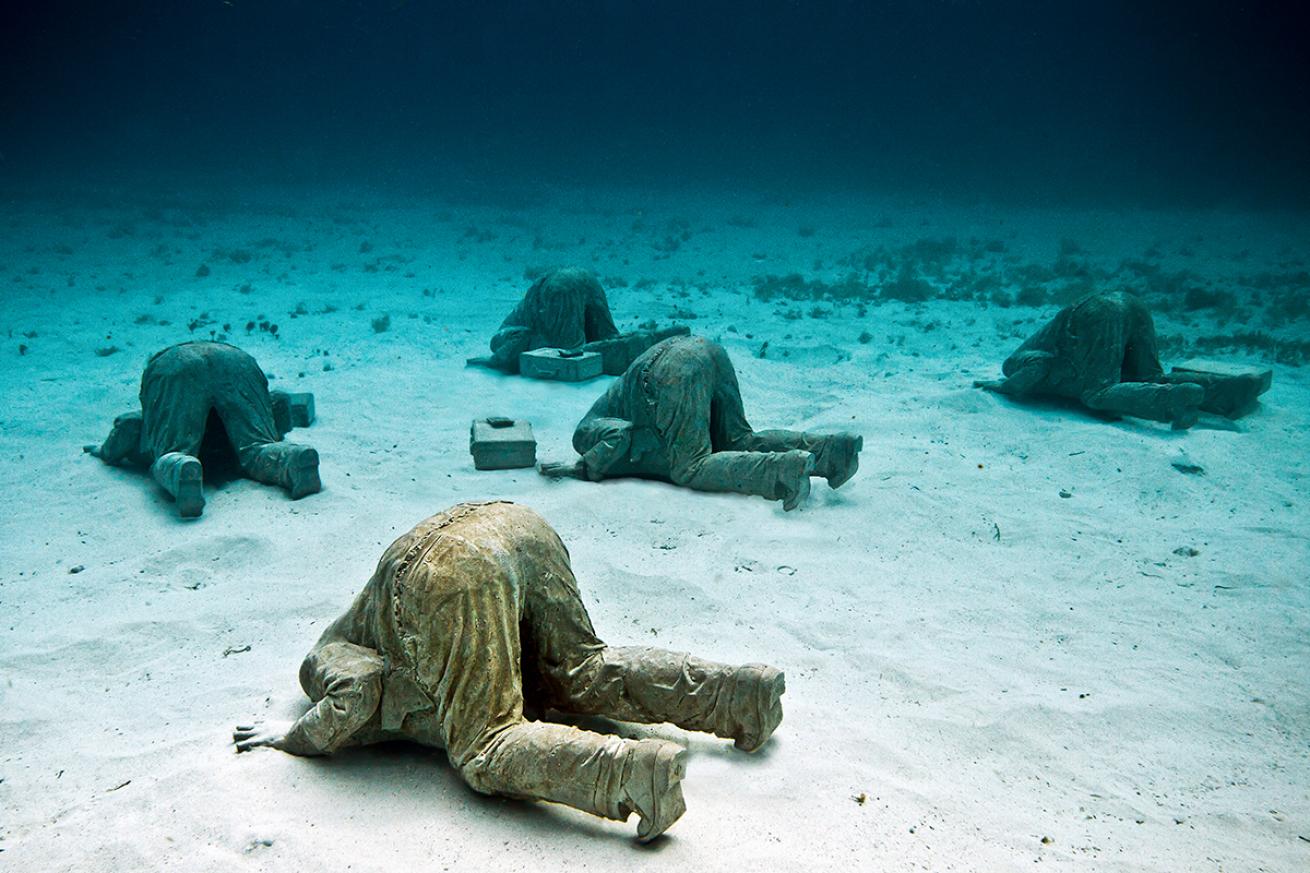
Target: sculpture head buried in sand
<point>1101,352</point>
<point>189,394</point>
<point>567,309</point>
<point>676,415</point>
<point>474,616</point>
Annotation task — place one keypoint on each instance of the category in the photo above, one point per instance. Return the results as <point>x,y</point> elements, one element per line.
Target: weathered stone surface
<point>1102,352</point>
<point>564,309</point>
<point>186,387</point>
<point>677,415</point>
<point>560,365</point>
<point>1231,390</point>
<point>473,617</point>
<point>292,409</point>
<point>502,444</point>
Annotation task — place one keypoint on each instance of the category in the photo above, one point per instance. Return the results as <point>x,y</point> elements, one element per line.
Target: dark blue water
<point>1138,103</point>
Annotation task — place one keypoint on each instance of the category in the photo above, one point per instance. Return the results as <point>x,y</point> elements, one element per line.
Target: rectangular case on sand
<point>502,444</point>
<point>1231,390</point>
<point>292,409</point>
<point>560,365</point>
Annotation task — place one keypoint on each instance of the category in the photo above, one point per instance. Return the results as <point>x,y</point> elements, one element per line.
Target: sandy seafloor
<point>982,674</point>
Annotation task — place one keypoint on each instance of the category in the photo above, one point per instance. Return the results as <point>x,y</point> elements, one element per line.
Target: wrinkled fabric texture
<point>1096,343</point>
<point>180,389</point>
<point>123,445</point>
<point>472,615</point>
<point>618,353</point>
<point>181,386</point>
<point>677,415</point>
<point>563,309</point>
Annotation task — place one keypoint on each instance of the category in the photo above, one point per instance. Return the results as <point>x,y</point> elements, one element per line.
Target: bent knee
<point>478,768</point>
<point>686,475</point>
<point>479,775</point>
<point>1096,398</point>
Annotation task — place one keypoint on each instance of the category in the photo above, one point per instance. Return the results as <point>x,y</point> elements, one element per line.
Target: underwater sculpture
<point>567,309</point>
<point>184,389</point>
<point>473,617</point>
<point>1101,351</point>
<point>677,415</point>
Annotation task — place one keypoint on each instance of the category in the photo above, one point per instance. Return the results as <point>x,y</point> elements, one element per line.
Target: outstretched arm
<point>612,438</point>
<point>1023,379</point>
<point>603,443</point>
<point>562,469</point>
<point>123,445</point>
<point>346,681</point>
<point>506,346</point>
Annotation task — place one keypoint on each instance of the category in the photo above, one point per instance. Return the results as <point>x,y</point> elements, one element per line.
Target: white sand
<point>981,674</point>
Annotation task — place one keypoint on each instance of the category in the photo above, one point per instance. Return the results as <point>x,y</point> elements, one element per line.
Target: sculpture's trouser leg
<point>1110,348</point>
<point>652,686</point>
<point>682,400</point>
<point>246,409</point>
<point>1141,361</point>
<point>776,440</point>
<point>1107,341</point>
<point>175,404</point>
<point>729,428</point>
<point>174,412</point>
<point>1142,400</point>
<point>543,761</point>
<point>288,465</point>
<point>579,674</point>
<point>176,401</point>
<point>1096,360</point>
<point>466,652</point>
<point>181,476</point>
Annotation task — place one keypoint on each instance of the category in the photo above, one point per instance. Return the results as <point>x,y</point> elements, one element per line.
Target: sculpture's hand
<point>252,736</point>
<point>558,470</point>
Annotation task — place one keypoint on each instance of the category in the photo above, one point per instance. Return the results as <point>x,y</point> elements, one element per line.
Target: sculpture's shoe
<point>1185,404</point>
<point>190,495</point>
<point>302,474</point>
<point>839,458</point>
<point>794,470</point>
<point>653,785</point>
<point>756,704</point>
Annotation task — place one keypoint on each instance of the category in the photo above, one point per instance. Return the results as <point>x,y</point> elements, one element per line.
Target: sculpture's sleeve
<point>1024,371</point>
<point>609,439</point>
<point>345,681</point>
<point>510,342</point>
<point>123,445</point>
